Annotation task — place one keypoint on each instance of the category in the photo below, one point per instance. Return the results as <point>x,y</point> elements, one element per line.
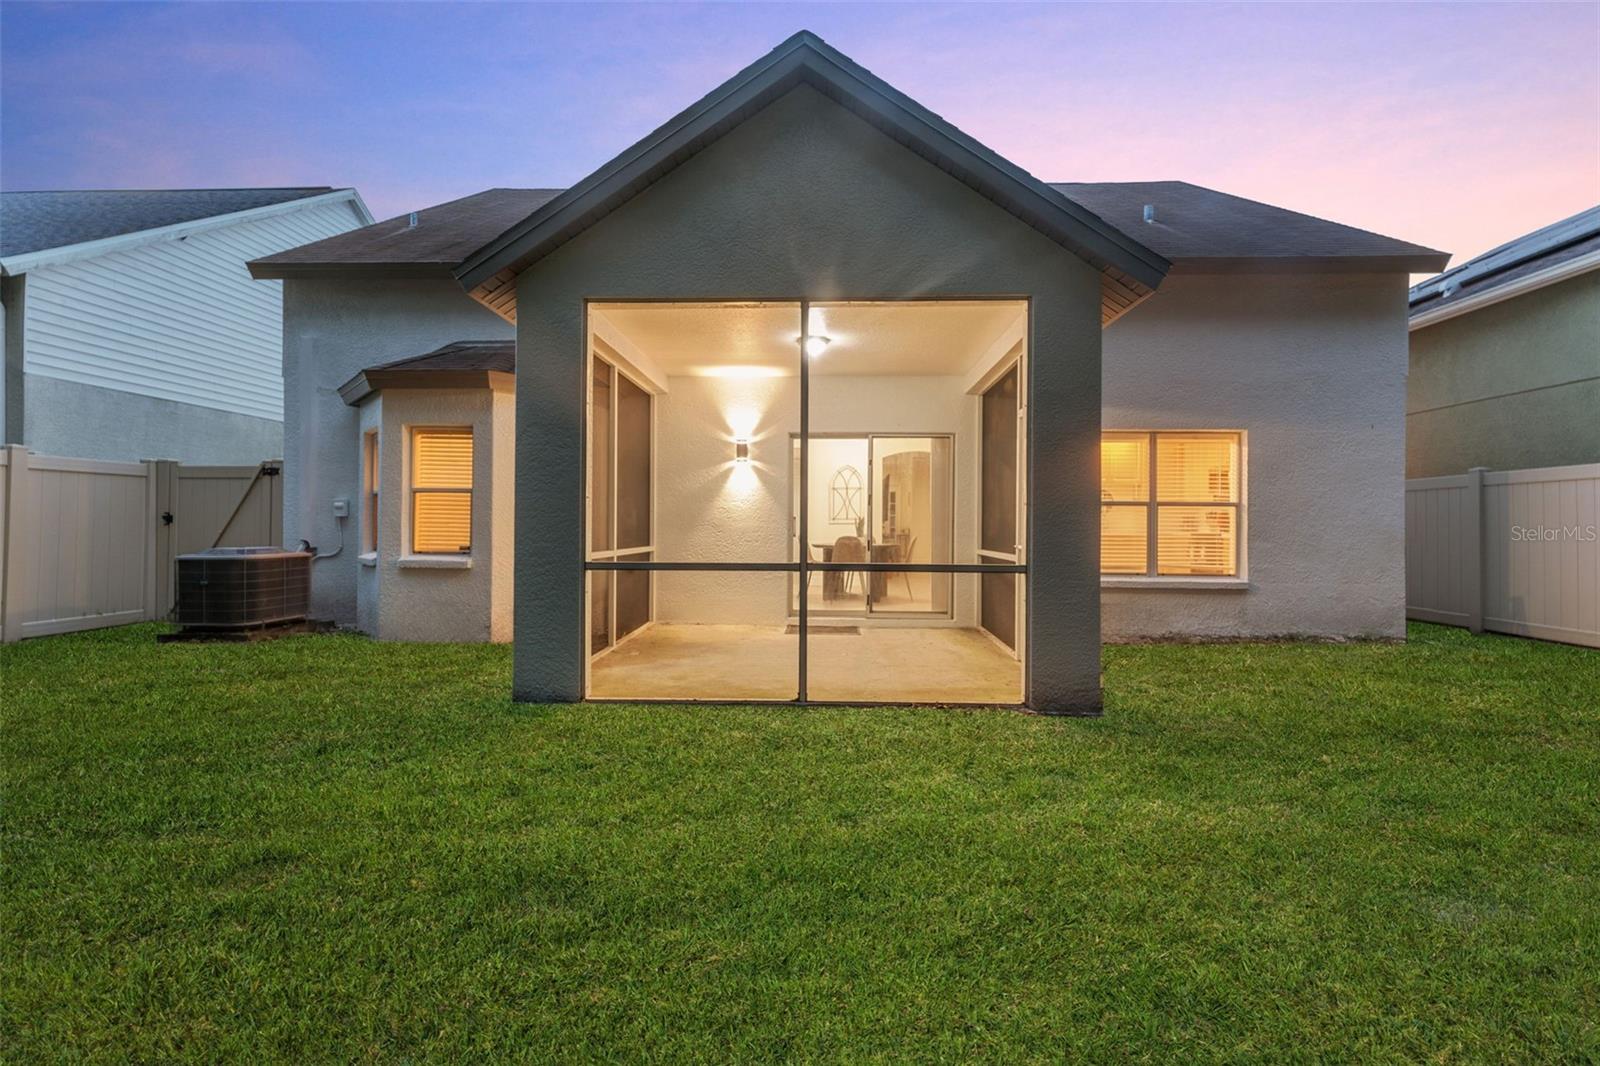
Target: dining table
<point>877,580</point>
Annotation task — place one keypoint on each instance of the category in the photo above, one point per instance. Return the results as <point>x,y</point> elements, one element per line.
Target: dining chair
<point>849,549</point>
<point>908,546</point>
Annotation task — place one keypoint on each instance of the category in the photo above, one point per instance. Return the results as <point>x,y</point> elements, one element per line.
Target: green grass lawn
<point>325,848</point>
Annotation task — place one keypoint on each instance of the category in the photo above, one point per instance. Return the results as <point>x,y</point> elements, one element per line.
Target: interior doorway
<point>875,498</point>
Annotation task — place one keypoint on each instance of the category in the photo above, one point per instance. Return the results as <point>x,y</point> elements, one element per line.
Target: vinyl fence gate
<point>86,543</point>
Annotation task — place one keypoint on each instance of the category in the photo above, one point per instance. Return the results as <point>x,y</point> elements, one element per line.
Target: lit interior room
<point>742,456</point>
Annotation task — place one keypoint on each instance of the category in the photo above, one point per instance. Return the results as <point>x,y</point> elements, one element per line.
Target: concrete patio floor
<point>870,665</point>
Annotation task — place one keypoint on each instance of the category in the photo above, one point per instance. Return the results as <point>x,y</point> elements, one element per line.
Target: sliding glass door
<point>876,498</point>
<point>912,503</point>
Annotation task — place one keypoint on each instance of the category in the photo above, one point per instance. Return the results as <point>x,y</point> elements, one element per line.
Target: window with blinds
<point>369,491</point>
<point>441,490</point>
<point>1169,504</point>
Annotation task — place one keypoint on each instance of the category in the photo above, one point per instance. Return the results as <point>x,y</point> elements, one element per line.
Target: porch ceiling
<point>878,338</point>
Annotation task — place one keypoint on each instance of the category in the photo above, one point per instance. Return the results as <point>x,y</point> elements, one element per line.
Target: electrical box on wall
<point>341,508</point>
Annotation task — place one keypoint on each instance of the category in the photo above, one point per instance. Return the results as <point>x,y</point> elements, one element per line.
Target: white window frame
<point>1153,504</point>
<point>413,490</point>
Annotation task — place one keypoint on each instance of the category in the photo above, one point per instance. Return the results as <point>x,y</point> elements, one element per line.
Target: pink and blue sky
<point>1457,126</point>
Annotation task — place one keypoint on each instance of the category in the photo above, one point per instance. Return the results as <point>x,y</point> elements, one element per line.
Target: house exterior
<point>1505,356</point>
<point>132,327</point>
<point>817,398</point>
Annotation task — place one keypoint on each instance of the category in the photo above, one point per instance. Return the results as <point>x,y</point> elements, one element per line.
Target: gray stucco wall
<point>331,329</point>
<point>1312,369</point>
<point>13,298</point>
<point>89,422</point>
<point>1510,386</point>
<point>804,199</point>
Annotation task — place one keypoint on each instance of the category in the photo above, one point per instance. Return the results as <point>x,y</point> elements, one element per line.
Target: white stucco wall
<point>1313,368</point>
<point>403,596</point>
<point>712,509</point>
<point>332,329</point>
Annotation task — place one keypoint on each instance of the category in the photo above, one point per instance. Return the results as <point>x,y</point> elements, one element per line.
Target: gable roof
<point>442,237</point>
<point>1558,251</point>
<point>1196,228</point>
<point>1129,269</point>
<point>457,365</point>
<point>1201,229</point>
<point>36,221</point>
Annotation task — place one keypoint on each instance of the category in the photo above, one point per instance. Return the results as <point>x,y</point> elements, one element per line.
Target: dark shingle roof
<point>459,355</point>
<point>1194,226</point>
<point>459,364</point>
<point>34,221</point>
<point>1201,227</point>
<point>1532,253</point>
<point>444,235</point>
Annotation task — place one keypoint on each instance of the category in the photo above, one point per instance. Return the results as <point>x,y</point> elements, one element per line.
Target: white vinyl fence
<point>86,543</point>
<point>1513,551</point>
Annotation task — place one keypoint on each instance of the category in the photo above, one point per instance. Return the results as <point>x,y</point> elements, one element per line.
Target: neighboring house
<point>1505,356</point>
<point>132,327</point>
<point>1027,415</point>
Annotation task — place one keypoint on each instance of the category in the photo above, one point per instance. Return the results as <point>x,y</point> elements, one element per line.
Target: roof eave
<point>1311,264</point>
<point>266,269</point>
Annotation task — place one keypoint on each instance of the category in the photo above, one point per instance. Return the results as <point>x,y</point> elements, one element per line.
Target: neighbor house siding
<point>1511,386</point>
<point>175,319</point>
<point>1311,367</point>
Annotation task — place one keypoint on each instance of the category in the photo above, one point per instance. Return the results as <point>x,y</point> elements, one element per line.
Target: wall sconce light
<point>741,451</point>
<point>815,344</point>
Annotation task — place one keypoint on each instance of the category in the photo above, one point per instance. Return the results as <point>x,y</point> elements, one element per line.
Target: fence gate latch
<point>166,518</point>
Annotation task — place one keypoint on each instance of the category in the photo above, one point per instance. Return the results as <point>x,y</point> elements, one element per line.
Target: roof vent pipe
<point>1149,212</point>
<point>411,222</point>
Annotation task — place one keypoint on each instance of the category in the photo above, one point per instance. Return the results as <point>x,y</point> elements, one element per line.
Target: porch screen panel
<point>1000,465</point>
<point>687,590</point>
<point>633,464</point>
<point>600,459</point>
<point>997,593</point>
<point>998,606</point>
<point>599,611</point>
<point>633,595</point>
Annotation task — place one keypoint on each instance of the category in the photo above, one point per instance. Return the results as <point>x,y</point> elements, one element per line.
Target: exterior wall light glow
<point>816,344</point>
<point>741,451</point>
